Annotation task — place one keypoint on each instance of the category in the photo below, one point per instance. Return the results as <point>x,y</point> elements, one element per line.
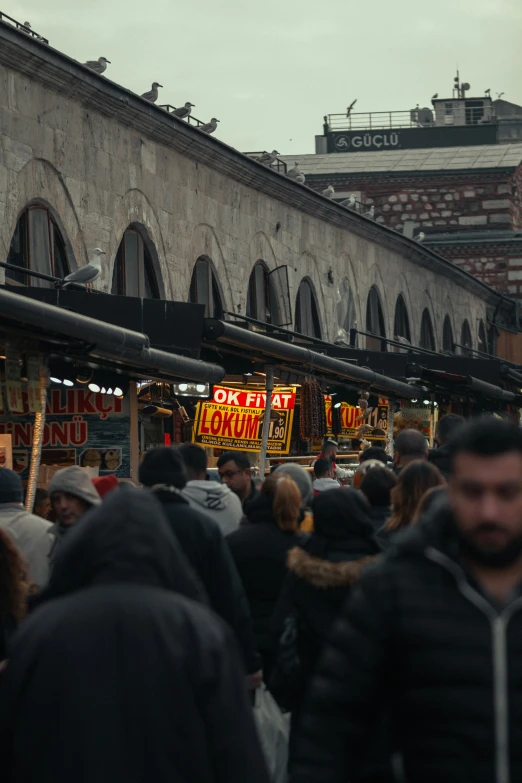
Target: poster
<point>233,420</point>
<point>378,419</point>
<point>6,451</point>
<point>81,428</point>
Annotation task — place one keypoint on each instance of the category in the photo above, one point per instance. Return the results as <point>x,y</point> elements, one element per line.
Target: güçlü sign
<point>233,419</point>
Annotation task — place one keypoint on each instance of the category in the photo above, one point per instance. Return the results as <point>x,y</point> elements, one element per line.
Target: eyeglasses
<point>228,474</point>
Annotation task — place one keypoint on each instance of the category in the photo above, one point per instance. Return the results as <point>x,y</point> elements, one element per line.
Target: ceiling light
<point>67,382</point>
<point>118,392</point>
<point>426,402</point>
<point>94,388</point>
<point>414,400</point>
<point>55,380</point>
<point>201,387</point>
<point>103,390</point>
<point>183,387</point>
<point>337,404</point>
<point>109,391</point>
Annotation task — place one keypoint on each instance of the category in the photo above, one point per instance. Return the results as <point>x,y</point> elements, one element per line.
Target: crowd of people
<point>385,617</point>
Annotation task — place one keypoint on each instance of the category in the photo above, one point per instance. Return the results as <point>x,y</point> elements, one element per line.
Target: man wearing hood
<point>72,494</point>
<point>446,429</point>
<point>434,632</point>
<point>137,680</point>
<point>202,541</point>
<point>217,500</point>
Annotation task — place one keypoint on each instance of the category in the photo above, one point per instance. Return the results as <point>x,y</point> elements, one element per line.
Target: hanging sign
<point>13,384</point>
<point>233,419</point>
<point>378,419</point>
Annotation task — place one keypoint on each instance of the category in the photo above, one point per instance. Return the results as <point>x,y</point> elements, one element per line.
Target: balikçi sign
<point>233,420</point>
<point>81,427</point>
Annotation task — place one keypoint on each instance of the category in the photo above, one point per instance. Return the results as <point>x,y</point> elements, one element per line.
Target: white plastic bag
<point>274,730</point>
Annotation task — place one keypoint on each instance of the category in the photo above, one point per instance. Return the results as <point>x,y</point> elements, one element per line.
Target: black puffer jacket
<point>259,549</point>
<point>419,635</point>
<point>121,677</point>
<point>202,541</point>
<point>440,457</point>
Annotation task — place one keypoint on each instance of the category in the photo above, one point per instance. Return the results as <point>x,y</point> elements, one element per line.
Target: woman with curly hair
<point>13,589</point>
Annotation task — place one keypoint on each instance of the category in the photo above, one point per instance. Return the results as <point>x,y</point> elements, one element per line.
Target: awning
<point>270,350</point>
<point>95,339</point>
<point>451,380</point>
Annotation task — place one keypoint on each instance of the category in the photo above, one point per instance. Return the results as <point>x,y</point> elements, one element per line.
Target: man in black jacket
<point>121,673</point>
<point>433,633</point>
<point>446,429</point>
<point>201,539</point>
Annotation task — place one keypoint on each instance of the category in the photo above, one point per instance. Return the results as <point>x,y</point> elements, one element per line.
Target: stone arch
<point>39,182</point>
<point>260,249</point>
<point>465,336</point>
<point>375,279</point>
<point>347,272</point>
<point>205,244</point>
<point>306,267</point>
<point>425,302</point>
<point>306,284</point>
<point>151,256</point>
<point>375,323</point>
<point>427,337</point>
<point>401,319</point>
<point>448,334</point>
<point>215,288</point>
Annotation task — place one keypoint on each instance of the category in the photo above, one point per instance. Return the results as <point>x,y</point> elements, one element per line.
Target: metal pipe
<point>252,341</point>
<point>489,389</point>
<point>180,366</point>
<point>269,371</point>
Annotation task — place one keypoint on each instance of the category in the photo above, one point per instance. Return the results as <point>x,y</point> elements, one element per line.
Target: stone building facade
<point>114,171</point>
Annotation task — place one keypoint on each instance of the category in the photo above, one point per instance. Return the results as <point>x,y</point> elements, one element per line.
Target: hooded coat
<point>123,676</point>
<point>421,635</point>
<point>441,458</point>
<point>216,500</point>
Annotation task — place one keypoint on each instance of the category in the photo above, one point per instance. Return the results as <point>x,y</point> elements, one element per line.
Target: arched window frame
<point>259,298</point>
<point>37,244</point>
<point>129,278</point>
<point>375,317</point>
<point>427,334</point>
<point>448,340</point>
<point>482,338</point>
<point>466,341</point>
<point>307,320</point>
<point>346,310</point>
<point>401,321</point>
<point>204,288</point>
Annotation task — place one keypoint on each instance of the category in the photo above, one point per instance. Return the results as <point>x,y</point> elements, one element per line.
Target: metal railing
<point>191,120</point>
<point>23,29</point>
<point>56,281</point>
<point>278,165</point>
<point>373,120</point>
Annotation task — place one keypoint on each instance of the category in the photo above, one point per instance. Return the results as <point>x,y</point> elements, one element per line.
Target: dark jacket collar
<point>436,529</point>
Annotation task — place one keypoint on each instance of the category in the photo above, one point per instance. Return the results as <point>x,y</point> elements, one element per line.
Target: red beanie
<point>105,484</point>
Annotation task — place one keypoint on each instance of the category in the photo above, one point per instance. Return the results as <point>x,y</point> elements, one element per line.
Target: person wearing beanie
<point>72,495</point>
<point>31,534</point>
<point>163,471</point>
<point>105,484</point>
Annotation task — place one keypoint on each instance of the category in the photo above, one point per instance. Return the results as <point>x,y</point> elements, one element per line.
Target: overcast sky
<point>270,71</point>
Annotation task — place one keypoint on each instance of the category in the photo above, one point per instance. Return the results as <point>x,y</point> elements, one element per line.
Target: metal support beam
<point>269,371</point>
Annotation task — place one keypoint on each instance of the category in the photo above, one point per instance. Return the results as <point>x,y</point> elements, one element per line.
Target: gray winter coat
<point>32,535</point>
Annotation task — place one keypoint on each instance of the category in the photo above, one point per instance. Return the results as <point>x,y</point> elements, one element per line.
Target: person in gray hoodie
<point>217,500</point>
<point>72,495</point>
<point>31,534</point>
<point>324,476</point>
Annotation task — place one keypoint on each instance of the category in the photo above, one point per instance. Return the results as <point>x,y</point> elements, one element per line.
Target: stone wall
<point>99,172</point>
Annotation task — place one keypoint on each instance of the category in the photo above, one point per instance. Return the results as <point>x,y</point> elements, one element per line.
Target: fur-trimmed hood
<point>322,573</point>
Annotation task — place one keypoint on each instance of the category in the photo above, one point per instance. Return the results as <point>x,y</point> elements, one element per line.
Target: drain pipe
<point>269,371</point>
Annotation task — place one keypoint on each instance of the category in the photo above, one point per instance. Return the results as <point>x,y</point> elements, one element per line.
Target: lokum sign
<point>82,428</point>
<point>233,419</point>
<point>350,422</point>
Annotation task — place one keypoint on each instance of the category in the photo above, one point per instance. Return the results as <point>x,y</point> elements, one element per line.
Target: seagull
<point>268,158</point>
<point>300,179</point>
<point>86,275</point>
<point>209,127</point>
<point>183,111</point>
<point>434,97</point>
<point>28,25</point>
<point>420,236</point>
<point>350,107</point>
<point>370,213</point>
<point>294,173</point>
<point>349,203</point>
<point>99,65</point>
<point>488,92</point>
<point>152,95</point>
<point>328,193</point>
<point>499,95</point>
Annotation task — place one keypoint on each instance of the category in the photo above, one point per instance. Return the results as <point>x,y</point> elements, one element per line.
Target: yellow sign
<point>233,420</point>
<point>350,423</point>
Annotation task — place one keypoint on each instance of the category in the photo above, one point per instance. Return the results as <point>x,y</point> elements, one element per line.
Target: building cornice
<point>59,73</point>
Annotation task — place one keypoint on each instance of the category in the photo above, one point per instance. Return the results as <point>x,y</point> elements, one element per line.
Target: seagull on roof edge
<point>98,66</point>
<point>184,111</point>
<point>268,158</point>
<point>85,275</point>
<point>208,127</point>
<point>152,94</point>
<point>329,192</point>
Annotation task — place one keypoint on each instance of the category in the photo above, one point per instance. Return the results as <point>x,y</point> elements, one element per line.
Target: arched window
<point>401,322</point>
<point>133,273</point>
<point>37,244</point>
<point>204,288</point>
<point>375,321</point>
<point>427,338</point>
<point>346,314</point>
<point>482,339</point>
<point>259,299</point>
<point>465,340</point>
<point>447,336</point>
<point>306,314</point>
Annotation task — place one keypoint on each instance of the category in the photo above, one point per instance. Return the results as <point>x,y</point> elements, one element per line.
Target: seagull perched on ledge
<point>209,127</point>
<point>420,236</point>
<point>370,213</point>
<point>328,193</point>
<point>294,173</point>
<point>183,111</point>
<point>99,65</point>
<point>268,158</point>
<point>152,95</point>
<point>86,275</point>
<point>300,178</point>
<point>349,203</point>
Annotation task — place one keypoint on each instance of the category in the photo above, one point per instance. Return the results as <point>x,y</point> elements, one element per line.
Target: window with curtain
<point>483,341</point>
<point>427,338</point>
<point>259,300</point>
<point>401,321</point>
<point>306,314</point>
<point>38,245</point>
<point>133,273</point>
<point>346,314</point>
<point>447,336</point>
<point>204,289</point>
<point>466,340</point>
<point>375,321</point>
